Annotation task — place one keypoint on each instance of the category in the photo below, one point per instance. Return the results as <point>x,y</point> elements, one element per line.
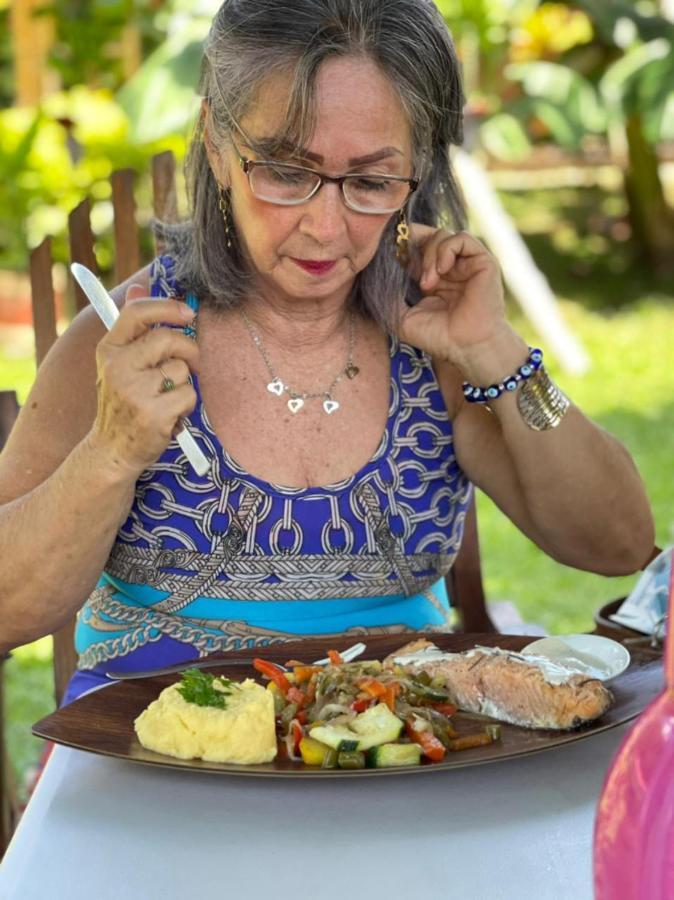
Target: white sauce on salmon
<point>553,672</point>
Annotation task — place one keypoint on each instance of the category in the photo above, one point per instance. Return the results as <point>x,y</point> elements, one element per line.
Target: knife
<point>210,663</point>
<point>108,313</point>
<point>180,667</point>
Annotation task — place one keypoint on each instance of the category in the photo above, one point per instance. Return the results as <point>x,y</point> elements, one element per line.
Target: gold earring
<point>224,209</point>
<point>402,240</point>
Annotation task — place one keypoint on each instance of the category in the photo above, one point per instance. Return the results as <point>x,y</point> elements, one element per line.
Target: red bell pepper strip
<point>431,746</point>
<point>361,704</point>
<point>274,673</point>
<point>298,734</point>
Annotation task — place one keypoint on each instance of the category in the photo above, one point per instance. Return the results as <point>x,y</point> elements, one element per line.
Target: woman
<point>330,404</point>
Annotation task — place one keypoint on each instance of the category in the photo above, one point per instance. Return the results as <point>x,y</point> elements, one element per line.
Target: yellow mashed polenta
<point>244,732</point>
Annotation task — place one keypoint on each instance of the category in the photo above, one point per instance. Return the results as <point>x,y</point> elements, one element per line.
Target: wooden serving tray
<point>102,722</point>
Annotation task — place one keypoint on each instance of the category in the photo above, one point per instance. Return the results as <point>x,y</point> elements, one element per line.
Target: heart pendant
<point>352,371</point>
<point>295,404</point>
<point>276,387</point>
<point>330,406</point>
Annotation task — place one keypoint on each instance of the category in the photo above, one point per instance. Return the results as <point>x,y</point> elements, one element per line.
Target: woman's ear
<point>217,164</point>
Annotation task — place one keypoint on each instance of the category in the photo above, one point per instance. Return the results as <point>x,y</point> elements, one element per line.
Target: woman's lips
<point>315,266</point>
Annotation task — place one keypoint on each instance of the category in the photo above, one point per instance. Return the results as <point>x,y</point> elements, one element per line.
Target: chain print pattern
<point>392,528</point>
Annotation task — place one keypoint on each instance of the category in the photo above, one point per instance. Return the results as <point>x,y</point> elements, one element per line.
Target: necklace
<point>297,398</point>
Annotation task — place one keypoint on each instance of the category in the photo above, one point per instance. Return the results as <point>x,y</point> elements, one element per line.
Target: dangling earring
<point>224,209</point>
<point>402,239</point>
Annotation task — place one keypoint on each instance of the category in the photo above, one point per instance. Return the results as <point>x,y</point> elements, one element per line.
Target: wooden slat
<point>42,295</point>
<point>165,201</point>
<point>65,658</point>
<point>127,250</point>
<point>9,804</point>
<point>81,246</point>
<point>9,410</point>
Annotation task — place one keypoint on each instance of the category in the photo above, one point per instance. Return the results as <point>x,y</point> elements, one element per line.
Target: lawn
<point>625,317</point>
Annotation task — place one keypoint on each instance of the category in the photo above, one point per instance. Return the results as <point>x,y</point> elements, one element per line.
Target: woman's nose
<point>325,215</point>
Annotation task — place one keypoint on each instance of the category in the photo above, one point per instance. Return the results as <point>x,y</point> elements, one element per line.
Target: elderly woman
<point>344,363</point>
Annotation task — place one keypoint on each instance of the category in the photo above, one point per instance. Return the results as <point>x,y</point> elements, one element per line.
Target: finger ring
<point>168,384</point>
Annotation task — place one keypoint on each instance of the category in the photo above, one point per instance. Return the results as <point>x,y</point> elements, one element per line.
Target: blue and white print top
<point>226,561</point>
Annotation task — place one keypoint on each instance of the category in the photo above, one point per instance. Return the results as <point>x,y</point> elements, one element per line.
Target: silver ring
<point>168,384</point>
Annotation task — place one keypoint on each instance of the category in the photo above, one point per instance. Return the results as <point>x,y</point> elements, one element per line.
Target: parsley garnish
<point>198,687</point>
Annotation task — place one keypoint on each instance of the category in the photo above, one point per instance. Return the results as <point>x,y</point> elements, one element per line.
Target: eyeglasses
<point>288,185</point>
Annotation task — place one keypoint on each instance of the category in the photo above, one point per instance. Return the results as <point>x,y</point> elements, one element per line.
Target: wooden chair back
<point>9,807</point>
<point>127,261</point>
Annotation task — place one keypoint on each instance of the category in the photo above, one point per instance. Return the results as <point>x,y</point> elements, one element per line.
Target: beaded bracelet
<point>511,383</point>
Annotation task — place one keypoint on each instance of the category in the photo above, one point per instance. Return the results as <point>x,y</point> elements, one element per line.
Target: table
<point>109,829</point>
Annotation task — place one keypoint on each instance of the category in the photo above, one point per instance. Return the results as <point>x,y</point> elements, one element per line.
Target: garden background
<point>570,115</point>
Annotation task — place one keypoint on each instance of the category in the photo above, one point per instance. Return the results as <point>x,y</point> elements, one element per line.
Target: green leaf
<point>161,98</point>
<point>642,82</point>
<point>505,138</point>
<point>565,131</point>
<point>199,687</point>
<point>566,101</point>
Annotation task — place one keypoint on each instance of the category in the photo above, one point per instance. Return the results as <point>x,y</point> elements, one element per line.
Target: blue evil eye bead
<point>526,370</point>
<point>492,392</point>
<point>510,384</point>
<point>477,395</point>
<point>467,389</point>
<point>536,358</point>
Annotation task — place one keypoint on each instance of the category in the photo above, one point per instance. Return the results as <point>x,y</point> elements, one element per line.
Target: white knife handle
<point>108,313</point>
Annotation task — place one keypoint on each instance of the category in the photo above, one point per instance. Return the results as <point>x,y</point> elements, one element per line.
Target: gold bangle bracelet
<point>541,403</point>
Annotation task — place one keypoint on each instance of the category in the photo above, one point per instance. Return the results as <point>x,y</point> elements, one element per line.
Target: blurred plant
<point>6,74</point>
<point>482,30</point>
<point>88,32</point>
<point>55,155</point>
<point>620,87</point>
<point>160,99</point>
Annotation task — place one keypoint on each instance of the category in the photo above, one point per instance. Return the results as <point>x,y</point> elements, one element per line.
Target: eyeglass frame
<point>247,165</point>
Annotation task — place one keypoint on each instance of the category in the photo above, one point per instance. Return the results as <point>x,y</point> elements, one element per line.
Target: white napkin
<point>645,609</point>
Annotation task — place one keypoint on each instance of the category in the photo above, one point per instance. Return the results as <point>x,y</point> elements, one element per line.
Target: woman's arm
<point>572,489</point>
<point>69,468</point>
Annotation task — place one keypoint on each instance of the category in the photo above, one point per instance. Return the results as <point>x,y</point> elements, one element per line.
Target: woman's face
<point>358,114</point>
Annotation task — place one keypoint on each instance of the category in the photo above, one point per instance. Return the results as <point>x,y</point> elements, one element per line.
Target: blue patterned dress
<point>225,561</point>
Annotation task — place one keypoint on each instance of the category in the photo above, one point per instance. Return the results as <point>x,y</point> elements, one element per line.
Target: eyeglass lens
<point>288,185</point>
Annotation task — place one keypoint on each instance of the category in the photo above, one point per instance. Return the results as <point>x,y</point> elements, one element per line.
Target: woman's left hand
<point>463,310</point>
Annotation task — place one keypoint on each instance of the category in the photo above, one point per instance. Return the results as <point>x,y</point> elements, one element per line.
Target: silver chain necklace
<point>297,398</point>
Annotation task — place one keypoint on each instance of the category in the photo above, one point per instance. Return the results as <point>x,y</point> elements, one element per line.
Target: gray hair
<point>251,40</point>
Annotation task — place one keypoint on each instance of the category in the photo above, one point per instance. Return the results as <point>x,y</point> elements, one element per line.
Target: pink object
<point>634,828</point>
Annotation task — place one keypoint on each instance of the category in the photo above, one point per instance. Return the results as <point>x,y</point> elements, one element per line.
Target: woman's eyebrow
<point>302,153</point>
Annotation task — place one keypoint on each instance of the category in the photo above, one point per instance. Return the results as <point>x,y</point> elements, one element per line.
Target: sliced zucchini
<point>377,725</point>
<point>347,745</point>
<point>352,759</point>
<point>387,755</point>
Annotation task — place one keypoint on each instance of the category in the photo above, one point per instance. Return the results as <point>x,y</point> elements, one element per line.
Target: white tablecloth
<point>108,829</point>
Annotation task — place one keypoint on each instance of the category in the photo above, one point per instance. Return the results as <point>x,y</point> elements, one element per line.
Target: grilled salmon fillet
<point>528,691</point>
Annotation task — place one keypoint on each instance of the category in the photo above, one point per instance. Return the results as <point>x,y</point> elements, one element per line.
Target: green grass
<point>624,316</point>
<point>629,391</point>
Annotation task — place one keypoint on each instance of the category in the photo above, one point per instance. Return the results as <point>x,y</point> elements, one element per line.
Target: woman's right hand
<point>136,419</point>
